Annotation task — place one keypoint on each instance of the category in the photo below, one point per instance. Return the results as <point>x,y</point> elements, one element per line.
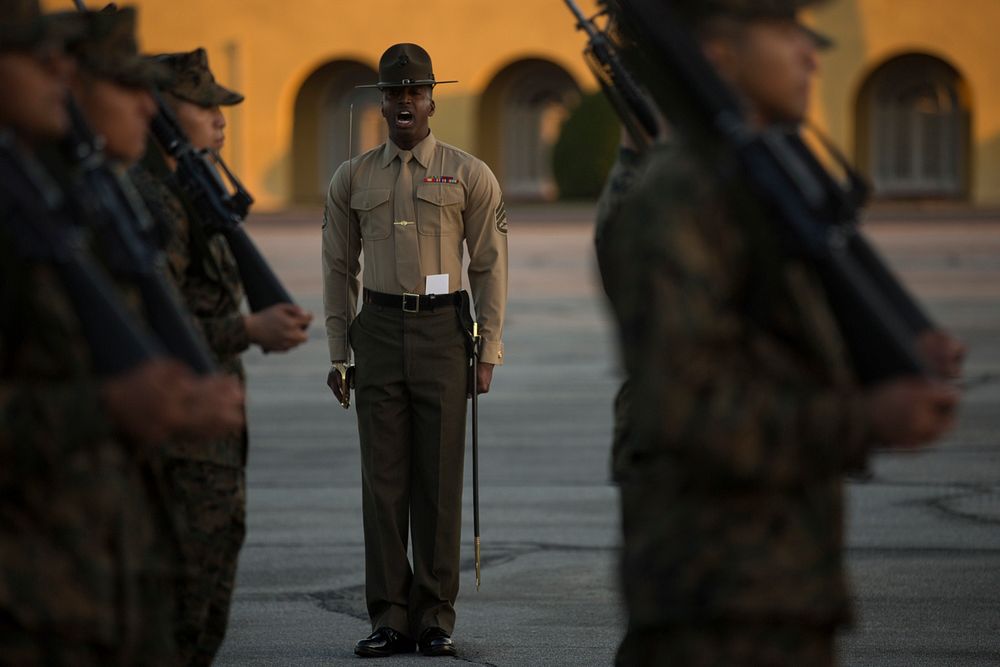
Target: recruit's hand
<point>149,403</point>
<point>278,328</point>
<point>942,352</point>
<point>215,408</point>
<point>912,412</point>
<point>484,377</point>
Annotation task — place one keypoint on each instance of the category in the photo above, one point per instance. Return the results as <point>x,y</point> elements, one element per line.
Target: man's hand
<point>484,377</point>
<point>149,403</point>
<point>335,381</point>
<point>912,412</point>
<point>943,353</point>
<point>278,328</point>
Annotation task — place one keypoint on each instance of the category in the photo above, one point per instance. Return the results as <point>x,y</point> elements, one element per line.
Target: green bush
<point>586,149</point>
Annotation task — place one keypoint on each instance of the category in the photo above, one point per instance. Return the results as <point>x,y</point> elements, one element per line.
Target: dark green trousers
<point>411,381</point>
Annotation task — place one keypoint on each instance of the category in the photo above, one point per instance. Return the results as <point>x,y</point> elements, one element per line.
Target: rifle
<point>222,210</point>
<point>219,209</point>
<point>112,209</point>
<point>878,318</point>
<point>32,216</point>
<point>617,83</point>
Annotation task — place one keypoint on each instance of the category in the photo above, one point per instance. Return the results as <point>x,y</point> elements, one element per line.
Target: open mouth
<point>405,119</point>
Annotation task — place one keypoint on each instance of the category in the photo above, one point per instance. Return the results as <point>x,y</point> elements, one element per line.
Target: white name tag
<point>437,284</point>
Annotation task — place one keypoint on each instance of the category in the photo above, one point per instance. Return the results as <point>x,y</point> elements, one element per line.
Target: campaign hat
<point>405,65</point>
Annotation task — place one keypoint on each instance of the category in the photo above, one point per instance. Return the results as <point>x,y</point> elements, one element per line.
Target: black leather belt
<point>411,303</point>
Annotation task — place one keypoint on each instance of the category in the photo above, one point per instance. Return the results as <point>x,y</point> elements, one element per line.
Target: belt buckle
<point>416,302</point>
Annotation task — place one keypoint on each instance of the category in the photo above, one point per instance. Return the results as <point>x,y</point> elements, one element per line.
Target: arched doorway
<point>914,128</point>
<point>320,141</point>
<point>521,113</point>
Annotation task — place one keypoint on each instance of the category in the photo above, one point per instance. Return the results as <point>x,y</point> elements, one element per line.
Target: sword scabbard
<point>478,578</point>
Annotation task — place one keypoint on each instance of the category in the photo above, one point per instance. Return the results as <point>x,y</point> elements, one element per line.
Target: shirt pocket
<point>373,212</point>
<point>439,209</point>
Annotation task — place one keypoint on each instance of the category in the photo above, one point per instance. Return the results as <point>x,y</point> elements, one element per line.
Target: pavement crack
<point>350,600</point>
<point>987,496</point>
<point>475,662</point>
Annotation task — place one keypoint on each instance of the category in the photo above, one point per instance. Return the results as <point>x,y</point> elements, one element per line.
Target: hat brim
<point>215,96</point>
<point>822,41</point>
<point>382,85</point>
<point>760,9</point>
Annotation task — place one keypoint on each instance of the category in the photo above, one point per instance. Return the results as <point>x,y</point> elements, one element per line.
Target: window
<point>914,129</point>
<point>321,141</point>
<point>522,112</point>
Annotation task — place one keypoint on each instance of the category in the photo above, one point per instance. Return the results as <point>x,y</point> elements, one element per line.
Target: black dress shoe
<point>435,641</point>
<point>384,642</point>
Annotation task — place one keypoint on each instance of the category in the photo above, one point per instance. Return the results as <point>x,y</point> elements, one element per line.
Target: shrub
<point>586,148</point>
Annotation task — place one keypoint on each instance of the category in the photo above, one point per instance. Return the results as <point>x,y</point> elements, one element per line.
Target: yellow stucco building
<point>912,91</point>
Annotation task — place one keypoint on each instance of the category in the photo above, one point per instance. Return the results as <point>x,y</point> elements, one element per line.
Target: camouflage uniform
<point>745,416</point>
<point>83,534</point>
<point>620,180</point>
<point>207,480</point>
<point>87,552</point>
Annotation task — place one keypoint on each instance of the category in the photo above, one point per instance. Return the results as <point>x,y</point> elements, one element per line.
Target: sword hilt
<point>345,390</point>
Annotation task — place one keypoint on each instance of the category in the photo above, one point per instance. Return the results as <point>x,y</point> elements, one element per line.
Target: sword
<point>475,445</point>
<point>346,378</point>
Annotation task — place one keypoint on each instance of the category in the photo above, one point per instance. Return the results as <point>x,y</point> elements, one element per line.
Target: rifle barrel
<point>616,82</point>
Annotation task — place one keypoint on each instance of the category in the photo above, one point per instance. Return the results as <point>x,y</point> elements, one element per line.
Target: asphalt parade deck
<point>923,532</point>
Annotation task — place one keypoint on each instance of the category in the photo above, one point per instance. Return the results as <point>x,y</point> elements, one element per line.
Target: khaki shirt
<point>456,199</point>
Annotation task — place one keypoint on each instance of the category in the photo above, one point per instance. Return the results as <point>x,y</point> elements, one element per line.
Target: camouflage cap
<point>192,80</point>
<point>109,50</point>
<point>23,26</point>
<point>748,10</point>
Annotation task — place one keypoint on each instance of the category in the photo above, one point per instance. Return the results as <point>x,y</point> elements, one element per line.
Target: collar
<point>423,152</point>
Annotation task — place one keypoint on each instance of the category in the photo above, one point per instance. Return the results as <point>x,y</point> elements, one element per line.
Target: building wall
<point>961,33</point>
<point>269,50</point>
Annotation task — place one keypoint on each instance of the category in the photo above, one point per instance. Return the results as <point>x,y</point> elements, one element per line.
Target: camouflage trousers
<point>152,647</point>
<point>21,648</point>
<point>621,456</point>
<point>728,645</point>
<point>211,501</point>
